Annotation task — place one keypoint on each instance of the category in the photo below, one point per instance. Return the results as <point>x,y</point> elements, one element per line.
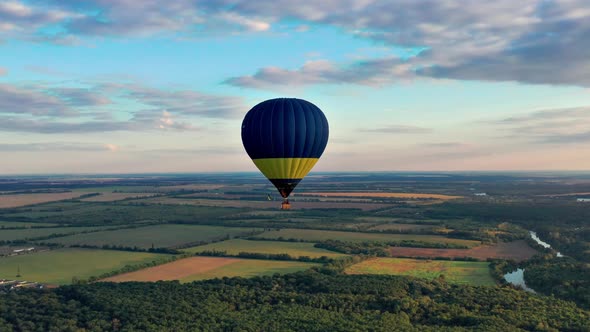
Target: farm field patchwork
<point>111,197</point>
<point>200,268</point>
<point>457,272</point>
<point>25,224</point>
<point>381,195</point>
<point>516,250</point>
<point>59,266</point>
<point>400,227</point>
<point>168,235</point>
<point>264,204</point>
<point>123,212</point>
<point>321,235</point>
<point>295,249</point>
<point>30,233</point>
<point>11,201</point>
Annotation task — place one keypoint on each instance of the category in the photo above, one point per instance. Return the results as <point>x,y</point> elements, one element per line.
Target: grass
<point>168,235</point>
<point>400,227</point>
<point>457,272</point>
<point>250,268</point>
<point>110,197</point>
<point>199,268</point>
<point>59,266</point>
<point>11,201</point>
<point>241,203</point>
<point>24,224</point>
<point>381,195</point>
<point>321,235</point>
<point>124,212</point>
<point>30,233</point>
<point>295,249</point>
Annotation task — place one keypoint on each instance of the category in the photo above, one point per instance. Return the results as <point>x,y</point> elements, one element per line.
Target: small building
<point>583,200</point>
<point>480,194</point>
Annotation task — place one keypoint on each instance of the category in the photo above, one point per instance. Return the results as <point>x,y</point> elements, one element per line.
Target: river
<point>542,243</point>
<point>517,277</point>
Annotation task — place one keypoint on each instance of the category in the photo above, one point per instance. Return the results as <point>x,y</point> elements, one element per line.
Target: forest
<point>304,301</point>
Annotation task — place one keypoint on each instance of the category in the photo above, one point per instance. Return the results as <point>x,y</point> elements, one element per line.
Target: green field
<point>124,212</point>
<point>321,235</point>
<point>167,235</point>
<point>25,224</point>
<point>59,266</point>
<point>458,272</point>
<point>295,249</point>
<point>29,233</point>
<point>250,268</point>
<point>400,227</point>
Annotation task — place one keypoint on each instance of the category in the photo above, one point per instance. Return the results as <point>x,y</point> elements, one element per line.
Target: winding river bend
<point>517,277</point>
<point>542,243</point>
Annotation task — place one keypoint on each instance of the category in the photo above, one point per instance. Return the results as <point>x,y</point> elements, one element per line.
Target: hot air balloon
<point>285,137</point>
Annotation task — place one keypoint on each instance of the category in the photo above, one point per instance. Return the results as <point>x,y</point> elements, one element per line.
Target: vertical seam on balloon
<point>271,135</point>
<point>304,125</point>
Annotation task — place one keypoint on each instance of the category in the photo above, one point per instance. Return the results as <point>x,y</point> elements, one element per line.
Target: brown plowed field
<point>175,270</point>
<point>516,250</point>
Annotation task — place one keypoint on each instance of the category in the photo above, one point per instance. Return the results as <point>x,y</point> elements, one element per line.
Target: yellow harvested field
<point>381,195</point>
<point>175,270</point>
<point>111,197</point>
<point>10,201</point>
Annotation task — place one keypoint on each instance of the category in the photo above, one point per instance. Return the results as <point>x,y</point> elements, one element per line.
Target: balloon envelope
<point>285,137</point>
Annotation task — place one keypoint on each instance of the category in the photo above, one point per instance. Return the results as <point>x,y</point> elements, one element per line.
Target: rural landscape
<point>74,245</point>
<point>294,166</point>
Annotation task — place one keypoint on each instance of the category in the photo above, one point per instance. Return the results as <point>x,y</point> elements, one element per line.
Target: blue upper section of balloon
<point>285,128</point>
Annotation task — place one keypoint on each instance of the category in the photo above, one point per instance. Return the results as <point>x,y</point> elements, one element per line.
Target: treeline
<point>529,214</point>
<point>383,244</point>
<point>306,301</point>
<point>574,242</point>
<point>254,255</point>
<point>158,250</point>
<point>379,249</point>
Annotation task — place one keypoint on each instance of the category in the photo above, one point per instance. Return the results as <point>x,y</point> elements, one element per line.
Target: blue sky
<point>148,86</point>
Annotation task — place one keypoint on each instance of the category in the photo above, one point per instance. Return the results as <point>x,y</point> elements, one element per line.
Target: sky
<point>134,86</point>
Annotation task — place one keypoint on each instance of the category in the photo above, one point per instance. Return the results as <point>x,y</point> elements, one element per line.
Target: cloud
<point>112,147</point>
<point>81,97</point>
<point>43,108</point>
<point>398,129</point>
<point>17,100</point>
<point>3,71</point>
<point>186,102</point>
<point>19,19</point>
<point>552,126</point>
<point>445,145</point>
<point>57,146</point>
<point>44,126</point>
<point>371,72</point>
<point>529,41</point>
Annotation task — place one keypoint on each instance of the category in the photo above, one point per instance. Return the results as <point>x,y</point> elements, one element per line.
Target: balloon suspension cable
<point>285,205</point>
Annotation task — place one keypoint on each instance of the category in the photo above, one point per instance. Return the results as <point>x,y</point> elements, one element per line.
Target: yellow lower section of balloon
<point>285,168</point>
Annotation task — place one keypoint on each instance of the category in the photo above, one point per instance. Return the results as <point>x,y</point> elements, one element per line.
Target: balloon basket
<point>285,205</point>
